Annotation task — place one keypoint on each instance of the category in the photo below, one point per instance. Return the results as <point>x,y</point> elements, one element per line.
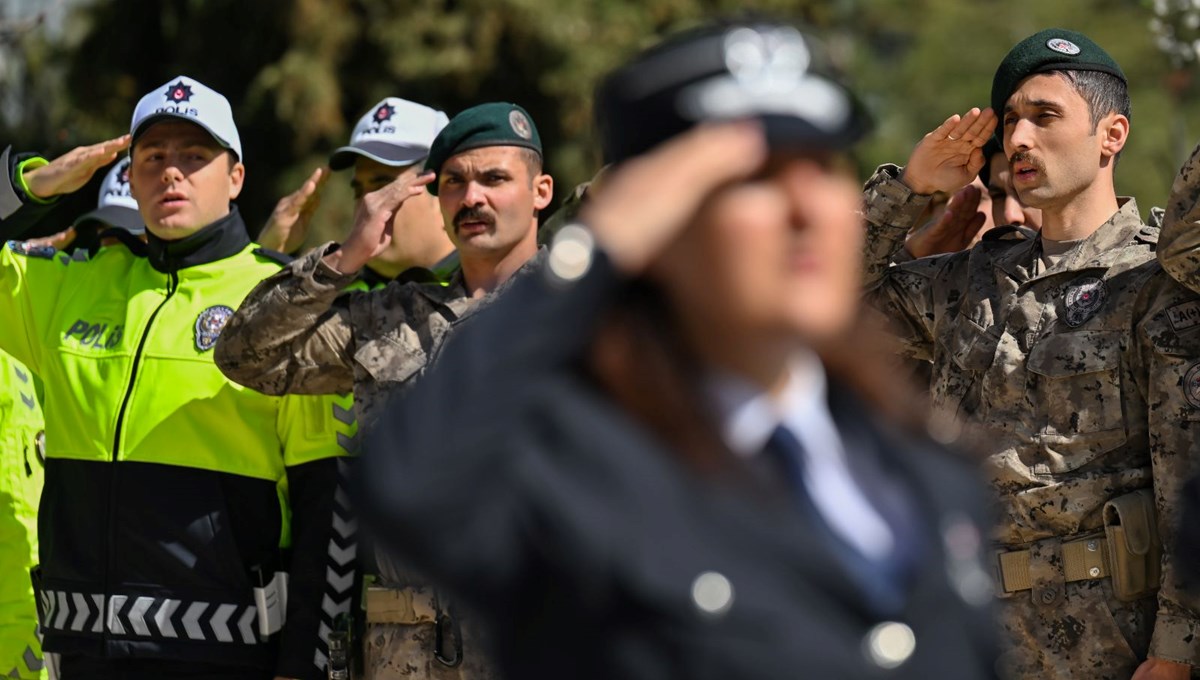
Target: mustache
<point>472,214</point>
<point>1026,157</point>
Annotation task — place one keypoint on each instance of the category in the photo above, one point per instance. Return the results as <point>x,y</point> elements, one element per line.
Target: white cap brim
<point>115,216</point>
<point>380,152</point>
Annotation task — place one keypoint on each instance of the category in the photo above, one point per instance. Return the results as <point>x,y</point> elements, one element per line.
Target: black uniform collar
<point>219,240</point>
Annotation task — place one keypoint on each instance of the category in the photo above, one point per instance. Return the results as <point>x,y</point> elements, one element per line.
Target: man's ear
<point>237,177</point>
<point>543,189</point>
<point>1114,130</point>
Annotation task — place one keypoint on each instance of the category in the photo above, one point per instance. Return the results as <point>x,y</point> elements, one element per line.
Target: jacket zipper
<point>172,286</point>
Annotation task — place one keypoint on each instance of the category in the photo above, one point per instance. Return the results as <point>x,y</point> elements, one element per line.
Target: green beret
<point>491,124</point>
<point>1053,49</point>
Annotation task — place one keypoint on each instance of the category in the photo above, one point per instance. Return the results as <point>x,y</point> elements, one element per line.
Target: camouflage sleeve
<point>1179,242</point>
<point>292,335</point>
<point>902,289</point>
<point>1168,351</point>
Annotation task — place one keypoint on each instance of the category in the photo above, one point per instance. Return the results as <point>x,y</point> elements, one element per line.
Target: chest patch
<point>1083,299</point>
<point>209,324</point>
<point>1185,316</point>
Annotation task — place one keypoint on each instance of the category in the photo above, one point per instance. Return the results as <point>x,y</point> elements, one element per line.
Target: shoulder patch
<point>30,249</point>
<point>274,256</point>
<point>1157,217</point>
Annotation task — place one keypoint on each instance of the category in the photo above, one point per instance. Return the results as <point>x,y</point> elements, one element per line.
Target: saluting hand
<point>955,230</point>
<point>950,156</point>
<point>288,226</point>
<point>373,222</point>
<point>649,199</point>
<point>70,171</point>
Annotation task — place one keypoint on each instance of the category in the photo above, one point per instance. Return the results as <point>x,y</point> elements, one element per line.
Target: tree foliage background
<point>300,72</point>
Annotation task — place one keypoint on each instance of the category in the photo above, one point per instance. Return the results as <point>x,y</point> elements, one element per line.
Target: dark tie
<point>882,581</point>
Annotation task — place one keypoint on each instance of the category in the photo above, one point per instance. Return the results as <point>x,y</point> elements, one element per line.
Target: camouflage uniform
<point>299,332</point>
<point>1073,382</point>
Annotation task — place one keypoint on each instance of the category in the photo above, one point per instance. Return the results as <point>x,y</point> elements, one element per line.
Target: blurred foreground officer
<point>669,453</point>
<point>185,520</point>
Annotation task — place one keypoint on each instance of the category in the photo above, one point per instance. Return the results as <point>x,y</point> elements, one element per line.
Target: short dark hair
<point>533,160</point>
<point>1103,92</point>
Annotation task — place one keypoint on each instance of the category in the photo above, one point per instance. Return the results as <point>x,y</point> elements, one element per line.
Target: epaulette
<point>1009,232</point>
<point>1157,215</point>
<point>30,249</point>
<point>274,256</point>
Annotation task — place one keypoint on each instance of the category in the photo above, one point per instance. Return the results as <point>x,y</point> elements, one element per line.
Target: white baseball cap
<point>116,207</point>
<point>394,132</point>
<point>188,99</point>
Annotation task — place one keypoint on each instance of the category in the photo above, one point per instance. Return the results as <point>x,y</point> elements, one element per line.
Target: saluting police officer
<point>187,523</point>
<point>1059,355</point>
<point>390,140</point>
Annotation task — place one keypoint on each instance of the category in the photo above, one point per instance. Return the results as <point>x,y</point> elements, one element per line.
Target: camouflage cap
<point>1054,49</point>
<point>491,124</point>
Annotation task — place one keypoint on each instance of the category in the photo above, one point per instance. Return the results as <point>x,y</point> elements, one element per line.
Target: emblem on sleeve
<point>209,325</point>
<point>29,249</point>
<point>1191,385</point>
<point>1083,299</point>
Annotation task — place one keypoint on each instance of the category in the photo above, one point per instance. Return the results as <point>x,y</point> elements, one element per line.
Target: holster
<point>1134,546</point>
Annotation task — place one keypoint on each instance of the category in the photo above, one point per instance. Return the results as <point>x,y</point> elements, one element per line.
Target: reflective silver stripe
<point>32,661</point>
<point>146,616</point>
<point>162,618</point>
<point>63,610</point>
<point>220,622</point>
<point>114,606</point>
<point>343,415</point>
<point>81,612</point>
<point>137,615</point>
<point>191,620</point>
<point>246,625</point>
<point>97,625</point>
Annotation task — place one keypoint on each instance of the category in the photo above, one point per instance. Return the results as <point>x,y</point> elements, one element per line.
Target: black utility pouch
<point>1134,546</point>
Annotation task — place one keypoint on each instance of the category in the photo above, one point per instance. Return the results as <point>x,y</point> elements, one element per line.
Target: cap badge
<point>179,92</point>
<point>384,112</point>
<point>766,60</point>
<point>520,124</point>
<point>209,325</point>
<point>1084,298</point>
<point>1063,46</point>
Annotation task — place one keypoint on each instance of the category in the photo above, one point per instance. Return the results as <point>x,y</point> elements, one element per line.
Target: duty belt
<point>1084,559</point>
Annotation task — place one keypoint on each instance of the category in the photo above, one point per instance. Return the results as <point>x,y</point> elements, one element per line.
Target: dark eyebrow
<point>1039,104</point>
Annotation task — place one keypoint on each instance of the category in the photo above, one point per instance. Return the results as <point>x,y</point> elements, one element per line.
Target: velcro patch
<point>1185,316</point>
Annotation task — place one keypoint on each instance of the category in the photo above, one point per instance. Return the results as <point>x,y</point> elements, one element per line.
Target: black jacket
<point>509,477</point>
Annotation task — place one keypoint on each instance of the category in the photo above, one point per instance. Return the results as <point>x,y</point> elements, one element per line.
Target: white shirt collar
<point>749,415</point>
